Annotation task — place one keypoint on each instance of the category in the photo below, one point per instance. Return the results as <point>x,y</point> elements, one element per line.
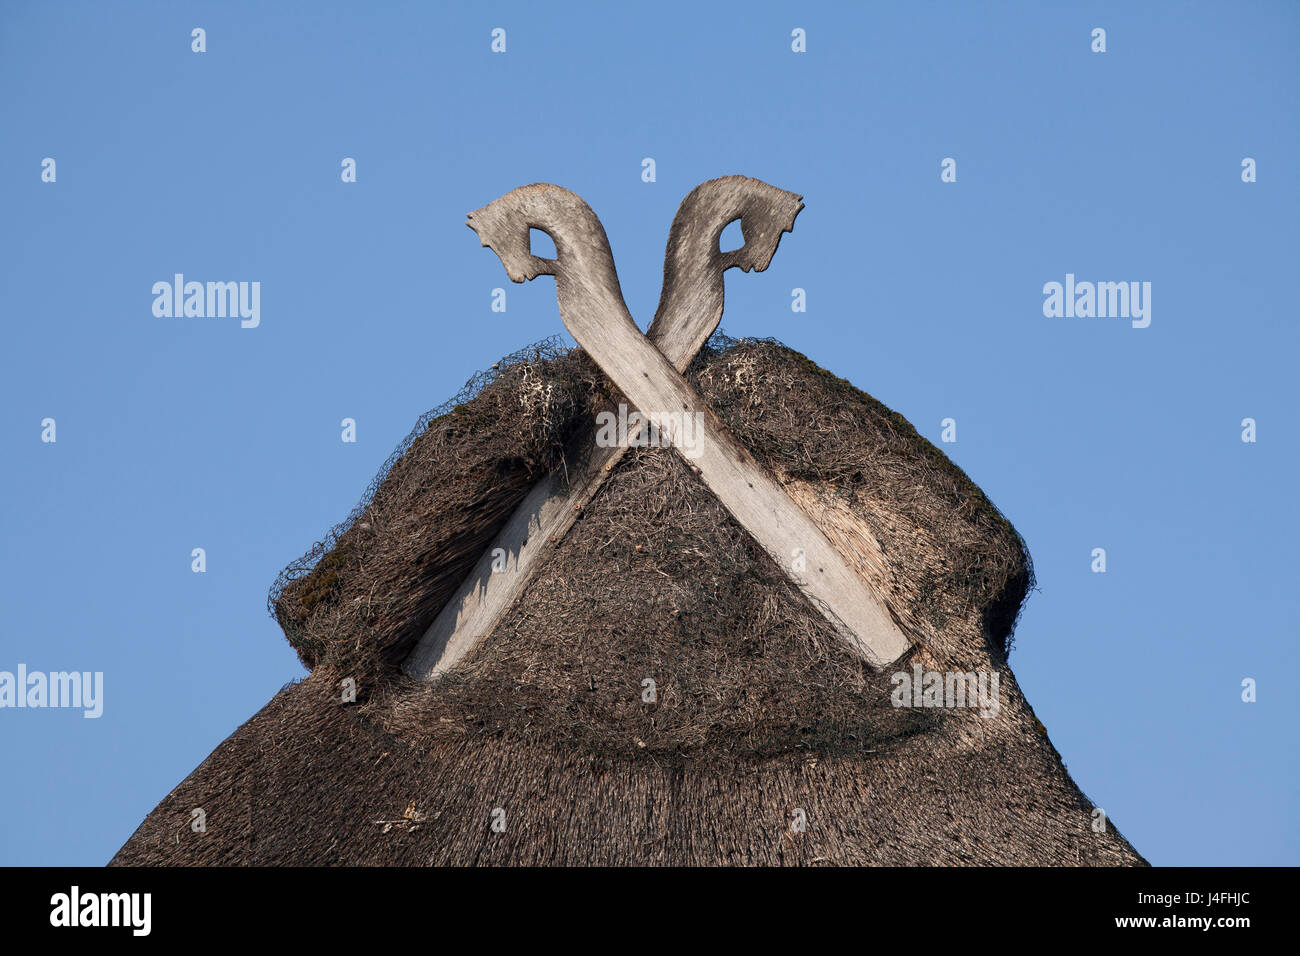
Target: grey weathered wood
<point>690,307</point>
<point>592,308</point>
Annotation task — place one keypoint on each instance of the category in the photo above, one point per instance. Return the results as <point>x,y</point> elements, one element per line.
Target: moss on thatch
<point>758,709</point>
<point>371,586</point>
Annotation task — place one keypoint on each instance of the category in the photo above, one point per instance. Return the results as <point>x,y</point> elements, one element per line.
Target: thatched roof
<point>762,714</point>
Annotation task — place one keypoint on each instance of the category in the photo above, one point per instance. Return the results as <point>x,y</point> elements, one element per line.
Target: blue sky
<point>174,433</point>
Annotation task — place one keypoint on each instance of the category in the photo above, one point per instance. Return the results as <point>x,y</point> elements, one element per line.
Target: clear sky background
<point>174,434</point>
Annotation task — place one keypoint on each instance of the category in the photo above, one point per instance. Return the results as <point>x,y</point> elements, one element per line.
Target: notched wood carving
<point>840,578</point>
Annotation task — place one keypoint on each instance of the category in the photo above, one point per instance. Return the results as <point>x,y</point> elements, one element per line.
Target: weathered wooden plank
<point>544,516</point>
<point>690,307</point>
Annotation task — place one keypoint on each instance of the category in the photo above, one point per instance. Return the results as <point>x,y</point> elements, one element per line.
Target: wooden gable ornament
<point>648,369</point>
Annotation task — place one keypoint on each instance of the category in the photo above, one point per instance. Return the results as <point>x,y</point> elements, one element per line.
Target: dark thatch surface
<point>761,713</point>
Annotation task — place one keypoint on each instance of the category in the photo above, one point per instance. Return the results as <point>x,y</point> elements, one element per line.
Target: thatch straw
<point>760,711</point>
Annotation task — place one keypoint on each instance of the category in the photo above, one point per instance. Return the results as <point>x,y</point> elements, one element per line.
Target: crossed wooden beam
<point>648,369</point>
